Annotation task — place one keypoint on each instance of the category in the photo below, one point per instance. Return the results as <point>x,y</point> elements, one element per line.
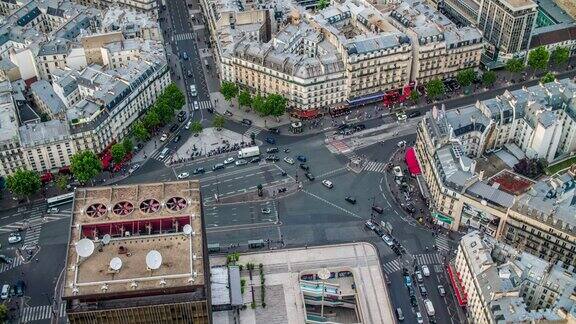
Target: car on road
<point>399,314</point>
<point>5,259</point>
<point>196,106</point>
<point>272,158</point>
<point>405,271</point>
<point>310,176</point>
<point>176,138</point>
<point>304,167</point>
<point>199,171</point>
<point>255,160</point>
<point>218,166</point>
<point>425,271</point>
<point>133,168</point>
<point>229,160</point>
<point>398,171</point>
<point>183,175</point>
<point>370,225</point>
<point>14,238</point>
<point>181,113</point>
<point>396,250</point>
<point>359,127</point>
<point>378,231</point>
<point>408,281</point>
<point>401,117</point>
<point>240,162</point>
<point>246,121</point>
<point>441,290</point>
<point>387,240</point>
<point>265,211</point>
<point>328,184</point>
<point>189,73</point>
<point>52,210</point>
<point>185,55</point>
<point>272,150</point>
<point>413,301</point>
<point>401,144</point>
<point>173,128</point>
<point>301,158</point>
<point>188,124</point>
<point>419,318</point>
<point>350,199</point>
<point>423,290</point>
<point>274,130</point>
<point>193,91</point>
<point>377,209</point>
<point>270,140</point>
<point>418,276</point>
<point>414,114</point>
<point>388,282</point>
<point>163,137</point>
<point>288,160</point>
<point>5,292</point>
<point>20,287</point>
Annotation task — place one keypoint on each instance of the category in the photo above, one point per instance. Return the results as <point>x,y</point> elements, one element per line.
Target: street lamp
<point>323,274</point>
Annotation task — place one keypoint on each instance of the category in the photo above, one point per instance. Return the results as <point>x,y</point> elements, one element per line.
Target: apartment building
<point>146,6</point>
<point>47,101</point>
<point>502,284</point>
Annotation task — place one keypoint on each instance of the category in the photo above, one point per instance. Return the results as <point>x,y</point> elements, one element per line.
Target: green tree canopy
<point>118,152</point>
<point>174,96</point>
<point>62,181</point>
<point>229,90</point>
<point>276,105</point>
<point>245,99</point>
<point>164,111</point>
<point>3,312</point>
<point>560,55</point>
<point>323,4</point>
<point>259,104</point>
<point>414,96</point>
<point>434,89</point>
<point>548,77</point>
<point>140,131</point>
<point>489,78</point>
<point>23,183</point>
<point>128,145</point>
<point>515,65</point>
<point>466,77</point>
<point>196,127</point>
<point>85,166</point>
<point>218,122</point>
<point>538,58</point>
<point>151,120</point>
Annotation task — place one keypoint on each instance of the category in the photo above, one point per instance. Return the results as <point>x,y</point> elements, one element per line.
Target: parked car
<point>413,114</point>
<point>20,287</point>
<point>52,210</point>
<point>5,259</point>
<point>270,140</point>
<point>229,160</point>
<point>188,124</point>
<point>399,314</point>
<point>265,210</point>
<point>240,162</point>
<point>401,144</point>
<point>423,290</point>
<point>274,130</point>
<point>304,167</point>
<point>5,292</point>
<point>272,158</point>
<point>173,128</point>
<point>377,209</point>
<point>413,301</point>
<point>370,225</point>
<point>14,238</point>
<point>301,158</point>
<point>183,175</point>
<point>199,171</point>
<point>218,166</point>
<point>288,160</point>
<point>441,290</point>
<point>425,271</point>
<point>328,184</point>
<point>163,137</point>
<point>359,127</point>
<point>272,150</point>
<point>387,240</point>
<point>310,176</point>
<point>419,318</point>
<point>398,171</point>
<point>350,199</point>
<point>247,122</point>
<point>133,168</point>
<point>419,277</point>
<point>255,160</point>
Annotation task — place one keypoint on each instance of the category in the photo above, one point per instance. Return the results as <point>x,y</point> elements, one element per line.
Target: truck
<point>429,307</point>
<point>249,152</point>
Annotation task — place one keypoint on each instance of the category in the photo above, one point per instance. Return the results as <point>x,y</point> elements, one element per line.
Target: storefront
<point>457,286</point>
<point>442,220</point>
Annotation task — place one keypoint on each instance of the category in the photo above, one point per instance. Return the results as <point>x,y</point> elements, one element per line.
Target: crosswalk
<point>442,243</point>
<point>251,130</point>
<point>43,312</point>
<point>375,166</point>
<point>16,262</point>
<point>429,258</point>
<point>32,234</point>
<point>165,159</point>
<point>204,104</point>
<point>182,37</point>
<point>392,266</point>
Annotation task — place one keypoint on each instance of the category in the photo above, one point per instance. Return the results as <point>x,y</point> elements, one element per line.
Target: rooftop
<point>8,120</point>
<point>45,93</point>
<point>138,219</point>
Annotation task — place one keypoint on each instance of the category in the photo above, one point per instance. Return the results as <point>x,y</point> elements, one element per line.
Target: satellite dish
<point>106,239</point>
<point>85,247</point>
<point>187,229</point>
<point>116,263</point>
<point>153,260</point>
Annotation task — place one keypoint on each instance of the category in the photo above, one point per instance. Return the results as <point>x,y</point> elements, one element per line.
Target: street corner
<point>211,141</point>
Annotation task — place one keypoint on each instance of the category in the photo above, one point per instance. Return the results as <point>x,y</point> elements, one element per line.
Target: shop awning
<point>310,113</point>
<point>456,284</point>
<point>412,162</point>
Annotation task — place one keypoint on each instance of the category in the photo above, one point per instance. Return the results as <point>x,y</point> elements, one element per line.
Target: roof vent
<point>123,208</point>
<point>150,206</point>
<point>176,203</point>
<point>96,210</point>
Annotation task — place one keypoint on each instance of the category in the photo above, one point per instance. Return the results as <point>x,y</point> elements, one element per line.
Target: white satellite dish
<point>153,260</point>
<point>106,239</point>
<point>85,247</point>
<point>187,229</point>
<point>116,263</point>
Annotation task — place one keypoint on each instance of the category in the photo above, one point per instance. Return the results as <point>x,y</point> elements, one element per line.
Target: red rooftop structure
<point>412,162</point>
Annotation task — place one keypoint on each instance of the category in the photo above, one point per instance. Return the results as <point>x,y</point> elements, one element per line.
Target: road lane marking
<point>332,204</point>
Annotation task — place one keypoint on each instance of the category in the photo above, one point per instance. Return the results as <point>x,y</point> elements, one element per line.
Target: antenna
<point>106,239</point>
<point>153,260</point>
<point>116,263</point>
<point>85,247</point>
<point>187,229</point>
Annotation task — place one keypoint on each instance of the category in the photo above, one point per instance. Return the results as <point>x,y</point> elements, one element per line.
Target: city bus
<point>60,200</point>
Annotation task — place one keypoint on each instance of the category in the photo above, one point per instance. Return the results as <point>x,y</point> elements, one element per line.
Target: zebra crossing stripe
<point>392,266</point>
<point>375,166</point>
<point>17,261</point>
<point>36,313</point>
<point>251,130</point>
<point>184,36</point>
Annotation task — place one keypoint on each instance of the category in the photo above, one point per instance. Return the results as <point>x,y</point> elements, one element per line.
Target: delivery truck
<point>249,152</point>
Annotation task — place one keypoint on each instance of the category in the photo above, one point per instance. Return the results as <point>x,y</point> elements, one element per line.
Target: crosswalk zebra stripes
<point>15,262</point>
<point>375,166</point>
<point>32,234</point>
<point>430,258</point>
<point>182,37</point>
<point>37,313</point>
<point>442,243</point>
<point>251,130</point>
<point>204,104</point>
<point>392,266</point>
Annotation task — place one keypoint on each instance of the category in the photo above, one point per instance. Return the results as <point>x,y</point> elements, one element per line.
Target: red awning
<point>459,291</point>
<point>311,113</point>
<point>412,162</point>
<point>46,177</point>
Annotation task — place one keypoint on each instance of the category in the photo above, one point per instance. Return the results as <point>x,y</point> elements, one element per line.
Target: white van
<point>164,153</point>
<point>5,292</point>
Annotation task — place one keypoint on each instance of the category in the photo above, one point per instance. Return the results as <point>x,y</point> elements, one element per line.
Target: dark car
<point>272,158</point>
<point>274,130</point>
<point>304,167</point>
<point>176,138</point>
<point>423,290</point>
<point>410,208</point>
<point>174,127</point>
<point>210,110</point>
<point>272,150</point>
<point>414,114</point>
<point>301,158</point>
<point>396,250</point>
<point>411,292</point>
<point>341,127</point>
<point>405,271</point>
<point>19,288</point>
<point>413,301</point>
<point>218,166</point>
<point>310,176</point>
<point>5,259</point>
<point>255,160</point>
<point>181,113</point>
<point>351,200</point>
<point>270,140</point>
<point>377,209</point>
<point>246,121</point>
<point>359,127</point>
<point>378,231</point>
<point>199,171</point>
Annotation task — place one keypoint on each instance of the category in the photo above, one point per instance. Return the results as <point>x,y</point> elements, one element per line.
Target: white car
<point>134,168</point>
<point>419,318</point>
<point>328,184</point>
<point>401,144</point>
<point>52,210</point>
<point>183,175</point>
<point>196,106</point>
<point>229,160</point>
<point>401,117</point>
<point>265,210</point>
<point>387,240</point>
<point>188,124</point>
<point>14,238</point>
<point>164,137</point>
<point>289,160</point>
<point>398,171</point>
<point>241,162</point>
<point>425,271</point>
